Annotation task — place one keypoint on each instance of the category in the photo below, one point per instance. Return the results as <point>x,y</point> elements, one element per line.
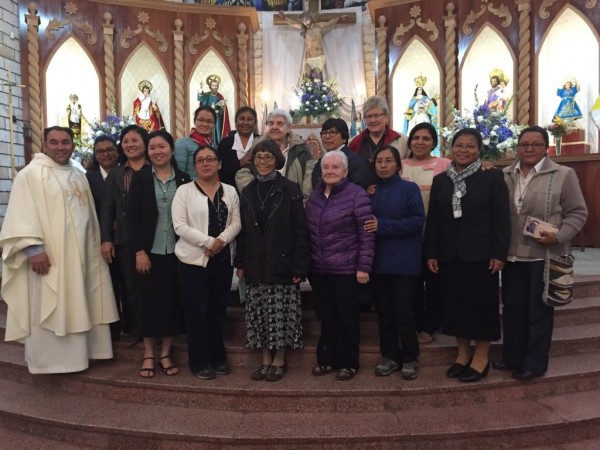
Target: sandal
<point>147,372</point>
<point>276,373</point>
<point>319,371</point>
<point>169,370</point>
<point>345,374</point>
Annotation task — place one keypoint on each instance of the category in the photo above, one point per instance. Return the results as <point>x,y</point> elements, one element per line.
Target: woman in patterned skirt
<point>272,258</point>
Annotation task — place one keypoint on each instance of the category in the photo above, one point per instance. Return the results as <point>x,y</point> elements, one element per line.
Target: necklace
<point>522,191</point>
<point>165,190</point>
<point>217,203</point>
<point>260,199</point>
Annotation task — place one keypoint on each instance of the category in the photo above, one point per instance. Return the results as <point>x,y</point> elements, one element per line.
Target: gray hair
<point>340,154</point>
<point>376,102</point>
<point>280,112</point>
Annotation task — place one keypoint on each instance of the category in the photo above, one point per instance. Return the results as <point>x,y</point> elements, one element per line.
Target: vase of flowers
<point>558,128</point>
<point>317,98</point>
<point>498,132</point>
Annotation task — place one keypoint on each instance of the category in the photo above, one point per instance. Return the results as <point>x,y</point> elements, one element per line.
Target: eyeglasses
<point>329,133</point>
<point>385,161</point>
<point>105,152</point>
<point>469,148</point>
<point>206,121</point>
<point>265,158</point>
<point>208,159</point>
<point>375,116</point>
<point>534,145</point>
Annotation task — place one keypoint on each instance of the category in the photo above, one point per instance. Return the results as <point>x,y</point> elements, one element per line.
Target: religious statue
<point>74,115</point>
<point>421,107</point>
<point>568,109</point>
<point>497,96</point>
<point>217,102</point>
<point>312,32</point>
<point>145,110</point>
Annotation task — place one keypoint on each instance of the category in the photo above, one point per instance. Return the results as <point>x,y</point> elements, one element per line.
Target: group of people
<point>174,218</point>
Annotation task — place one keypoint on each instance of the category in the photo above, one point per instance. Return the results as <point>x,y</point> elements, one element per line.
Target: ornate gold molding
<point>501,11</point>
<point>157,35</point>
<point>543,11</point>
<point>71,9</point>
<point>415,13</point>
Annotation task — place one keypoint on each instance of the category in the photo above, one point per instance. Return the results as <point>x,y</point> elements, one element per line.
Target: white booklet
<point>534,227</point>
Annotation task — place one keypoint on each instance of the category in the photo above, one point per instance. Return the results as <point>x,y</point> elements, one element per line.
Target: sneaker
<point>386,366</point>
<point>206,373</point>
<point>409,370</point>
<point>221,368</point>
<point>276,373</point>
<point>260,373</point>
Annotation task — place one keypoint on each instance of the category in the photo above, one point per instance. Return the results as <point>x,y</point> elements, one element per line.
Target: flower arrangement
<point>317,98</point>
<point>409,113</point>
<point>559,127</point>
<point>499,133</point>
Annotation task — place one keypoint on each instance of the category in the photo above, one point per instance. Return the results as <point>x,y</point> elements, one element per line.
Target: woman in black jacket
<point>152,238</point>
<point>272,258</point>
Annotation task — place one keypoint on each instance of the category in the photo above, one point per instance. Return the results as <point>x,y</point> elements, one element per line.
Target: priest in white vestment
<point>54,280</point>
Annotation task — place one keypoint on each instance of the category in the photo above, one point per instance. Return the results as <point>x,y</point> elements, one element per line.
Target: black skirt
<point>470,300</point>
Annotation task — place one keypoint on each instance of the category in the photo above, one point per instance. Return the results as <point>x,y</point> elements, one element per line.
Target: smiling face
<point>204,123</point>
<point>265,163</point>
<point>531,149</point>
<point>106,154</point>
<point>133,146</point>
<point>421,145</point>
<point>333,170</point>
<point>332,139</point>
<point>465,151</point>
<point>376,121</point>
<point>58,146</point>
<point>159,152</point>
<point>385,164</point>
<point>207,165</point>
<point>245,123</point>
<point>278,129</point>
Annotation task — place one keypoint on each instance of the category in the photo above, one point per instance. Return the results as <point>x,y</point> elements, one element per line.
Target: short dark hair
<point>469,132</point>
<point>105,137</point>
<point>338,124</point>
<point>205,147</point>
<point>423,126</point>
<point>394,151</point>
<point>136,129</point>
<point>536,129</point>
<point>271,147</point>
<point>244,109</point>
<point>58,128</point>
<point>205,108</point>
<point>162,133</point>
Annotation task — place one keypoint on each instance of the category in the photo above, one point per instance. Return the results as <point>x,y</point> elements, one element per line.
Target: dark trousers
<point>130,300</point>
<point>205,293</point>
<point>527,321</point>
<point>394,298</point>
<point>337,307</point>
<point>428,302</point>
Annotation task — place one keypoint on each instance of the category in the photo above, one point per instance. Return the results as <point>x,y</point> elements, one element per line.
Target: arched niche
<point>570,48</point>
<point>71,58</point>
<point>487,52</point>
<point>142,64</point>
<point>417,60</point>
<point>211,64</point>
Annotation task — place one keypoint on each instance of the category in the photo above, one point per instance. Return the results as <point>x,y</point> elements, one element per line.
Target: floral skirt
<point>273,316</point>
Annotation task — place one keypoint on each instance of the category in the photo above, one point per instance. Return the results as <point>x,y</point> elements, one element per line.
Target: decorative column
<point>242,39</point>
<point>524,8</point>
<point>33,66</point>
<point>109,63</point>
<point>382,52</point>
<point>180,117</point>
<point>450,62</point>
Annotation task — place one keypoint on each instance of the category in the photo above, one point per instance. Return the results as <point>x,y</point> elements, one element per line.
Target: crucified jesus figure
<point>312,32</point>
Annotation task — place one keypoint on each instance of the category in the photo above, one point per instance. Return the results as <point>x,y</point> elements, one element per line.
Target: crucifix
<point>311,25</point>
<point>11,118</point>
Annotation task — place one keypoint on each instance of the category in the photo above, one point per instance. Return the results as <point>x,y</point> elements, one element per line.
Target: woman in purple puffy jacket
<point>341,257</point>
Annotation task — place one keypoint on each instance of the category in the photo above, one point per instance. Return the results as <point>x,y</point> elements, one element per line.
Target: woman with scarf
<point>466,242</point>
<point>201,135</point>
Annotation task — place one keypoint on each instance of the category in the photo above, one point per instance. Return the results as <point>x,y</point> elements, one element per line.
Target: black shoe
<point>524,375</point>
<point>501,365</point>
<point>221,367</point>
<point>456,370</point>
<point>470,375</point>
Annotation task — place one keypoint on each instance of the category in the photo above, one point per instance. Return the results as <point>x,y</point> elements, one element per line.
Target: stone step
<point>106,423</point>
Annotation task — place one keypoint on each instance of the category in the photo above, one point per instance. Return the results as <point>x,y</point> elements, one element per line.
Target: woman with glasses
<point>543,190</point>
<point>202,134</point>
<point>466,242</point>
<point>150,229</point>
<point>377,135</point>
<point>206,217</point>
<point>272,259</point>
<point>235,149</point>
<point>334,136</point>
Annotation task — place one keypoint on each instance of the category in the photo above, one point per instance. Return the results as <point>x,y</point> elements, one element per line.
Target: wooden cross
<point>11,118</point>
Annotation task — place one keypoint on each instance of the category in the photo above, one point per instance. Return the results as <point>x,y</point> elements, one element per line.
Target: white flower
<point>486,141</point>
<point>479,119</point>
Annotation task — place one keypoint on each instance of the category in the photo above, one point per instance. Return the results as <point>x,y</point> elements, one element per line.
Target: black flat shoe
<point>455,370</point>
<point>470,375</point>
<point>501,365</point>
<point>524,375</point>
